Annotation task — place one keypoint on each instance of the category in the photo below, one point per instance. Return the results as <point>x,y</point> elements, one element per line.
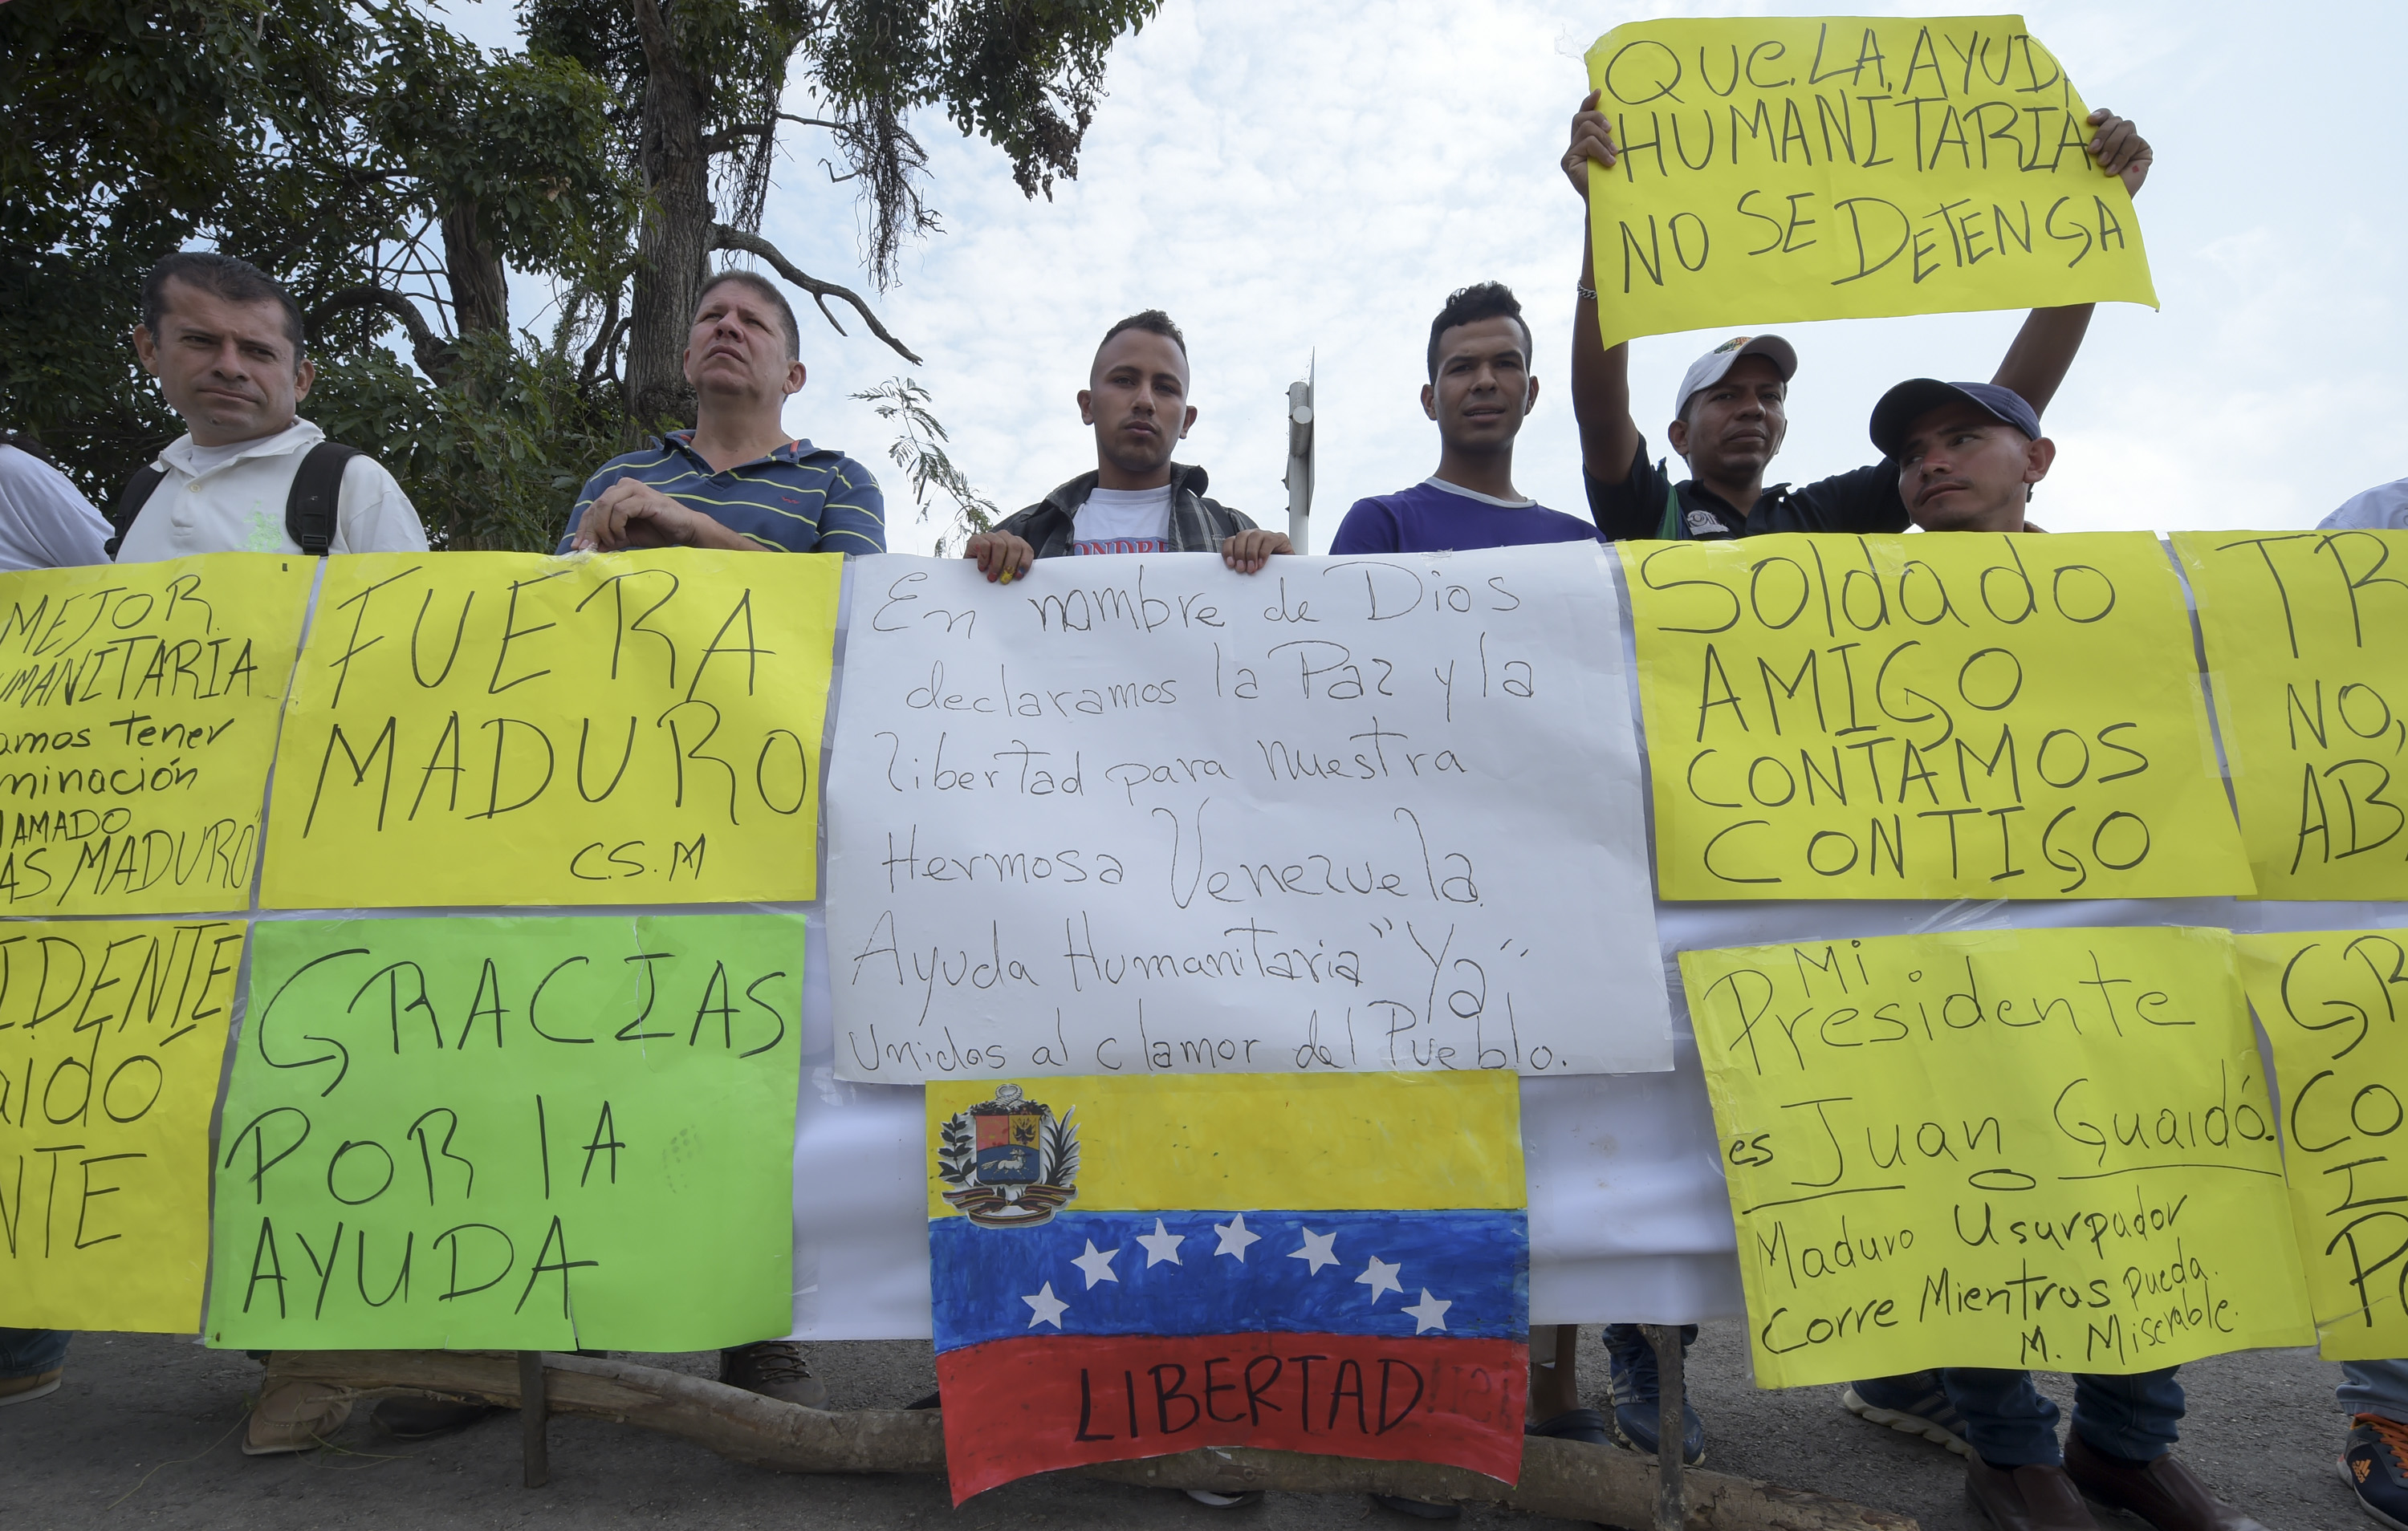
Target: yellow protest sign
<point>2331,1001</point>
<point>2043,1148</point>
<point>111,1038</point>
<point>507,728</point>
<point>137,720</point>
<point>1835,167</point>
<point>2304,632</point>
<point>1927,717</point>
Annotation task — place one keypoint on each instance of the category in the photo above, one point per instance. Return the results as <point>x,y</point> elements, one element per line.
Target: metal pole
<point>534,1453</point>
<point>1672,1497</point>
<point>1299,462</point>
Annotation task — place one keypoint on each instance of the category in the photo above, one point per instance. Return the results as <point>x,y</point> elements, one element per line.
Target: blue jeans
<point>2010,1424</point>
<point>29,1353</point>
<point>2374,1387</point>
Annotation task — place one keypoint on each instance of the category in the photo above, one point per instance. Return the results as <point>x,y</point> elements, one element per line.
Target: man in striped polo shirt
<point>736,480</point>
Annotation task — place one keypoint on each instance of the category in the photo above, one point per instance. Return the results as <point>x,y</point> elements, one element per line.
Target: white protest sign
<point>1142,814</point>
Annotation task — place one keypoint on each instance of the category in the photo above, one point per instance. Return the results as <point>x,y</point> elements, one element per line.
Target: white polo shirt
<point>231,499</point>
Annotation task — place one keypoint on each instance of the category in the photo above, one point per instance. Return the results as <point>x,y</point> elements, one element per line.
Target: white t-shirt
<point>45,523</point>
<point>1123,521</point>
<point>2384,507</point>
<point>231,499</point>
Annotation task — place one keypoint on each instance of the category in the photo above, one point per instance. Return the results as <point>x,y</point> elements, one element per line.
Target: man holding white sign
<point>1137,500</point>
<point>1731,410</point>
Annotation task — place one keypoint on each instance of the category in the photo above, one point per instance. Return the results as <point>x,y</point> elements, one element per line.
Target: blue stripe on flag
<point>1464,1274</point>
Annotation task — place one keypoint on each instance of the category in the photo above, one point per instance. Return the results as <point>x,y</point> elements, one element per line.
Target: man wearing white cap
<point>1731,409</point>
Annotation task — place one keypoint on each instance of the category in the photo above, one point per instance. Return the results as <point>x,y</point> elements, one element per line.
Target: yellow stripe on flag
<point>1407,1141</point>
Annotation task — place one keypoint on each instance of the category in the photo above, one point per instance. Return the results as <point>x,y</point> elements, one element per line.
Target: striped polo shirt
<point>799,498</point>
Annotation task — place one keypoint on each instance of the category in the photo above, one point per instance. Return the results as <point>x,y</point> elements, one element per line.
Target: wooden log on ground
<point>1563,1479</point>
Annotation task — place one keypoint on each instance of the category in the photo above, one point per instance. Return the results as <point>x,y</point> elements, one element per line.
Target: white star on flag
<point>1098,1263</point>
<point>1319,1250</point>
<point>1234,1236</point>
<point>1430,1314</point>
<point>1046,1308</point>
<point>1379,1276</point>
<point>1160,1245</point>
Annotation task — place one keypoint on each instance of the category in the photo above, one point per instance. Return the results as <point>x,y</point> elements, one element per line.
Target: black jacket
<point>1196,525</point>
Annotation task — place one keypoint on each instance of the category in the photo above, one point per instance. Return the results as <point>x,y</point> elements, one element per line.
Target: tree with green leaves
<point>375,163</point>
<point>396,178</point>
<point>708,80</point>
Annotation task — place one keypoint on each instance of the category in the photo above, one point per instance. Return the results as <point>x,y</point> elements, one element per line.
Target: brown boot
<point>2162,1492</point>
<point>2039,1498</point>
<point>293,1415</point>
<point>774,1369</point>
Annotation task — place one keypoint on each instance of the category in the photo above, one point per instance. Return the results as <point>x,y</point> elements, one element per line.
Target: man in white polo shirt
<point>224,341</point>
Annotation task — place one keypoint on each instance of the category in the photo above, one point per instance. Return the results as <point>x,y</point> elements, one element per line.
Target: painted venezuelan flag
<point>1128,1267</point>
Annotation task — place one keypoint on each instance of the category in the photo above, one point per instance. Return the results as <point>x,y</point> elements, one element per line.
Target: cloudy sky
<point>1301,179</point>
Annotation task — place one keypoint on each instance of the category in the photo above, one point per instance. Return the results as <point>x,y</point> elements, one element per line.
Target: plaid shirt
<point>799,498</point>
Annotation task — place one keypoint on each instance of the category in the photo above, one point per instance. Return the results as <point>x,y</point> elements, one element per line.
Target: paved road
<point>145,1434</point>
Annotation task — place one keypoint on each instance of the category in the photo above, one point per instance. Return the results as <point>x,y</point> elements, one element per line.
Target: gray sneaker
<point>1915,1404</point>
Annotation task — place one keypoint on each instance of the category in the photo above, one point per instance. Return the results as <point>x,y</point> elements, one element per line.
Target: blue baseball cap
<point>1916,397</point>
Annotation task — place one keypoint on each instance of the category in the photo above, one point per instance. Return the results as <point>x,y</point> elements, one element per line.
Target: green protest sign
<point>514,1134</point>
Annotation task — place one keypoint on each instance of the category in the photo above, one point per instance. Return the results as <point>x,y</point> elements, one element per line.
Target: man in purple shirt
<point>1480,390</point>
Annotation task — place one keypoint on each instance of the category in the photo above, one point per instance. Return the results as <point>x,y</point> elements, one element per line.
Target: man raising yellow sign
<point>1730,413</point>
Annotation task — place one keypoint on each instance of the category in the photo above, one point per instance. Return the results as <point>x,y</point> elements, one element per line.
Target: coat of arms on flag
<point>1010,1161</point>
<point>1335,1264</point>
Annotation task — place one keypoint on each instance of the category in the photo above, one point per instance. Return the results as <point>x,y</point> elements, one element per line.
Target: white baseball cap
<point>1708,370</point>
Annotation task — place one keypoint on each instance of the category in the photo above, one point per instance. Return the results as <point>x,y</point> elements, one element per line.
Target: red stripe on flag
<point>1016,1406</point>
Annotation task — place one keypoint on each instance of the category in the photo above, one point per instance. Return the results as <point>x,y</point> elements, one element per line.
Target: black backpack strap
<point>311,507</point>
<point>130,501</point>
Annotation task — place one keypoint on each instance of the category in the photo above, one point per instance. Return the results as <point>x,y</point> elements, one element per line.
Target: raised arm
<point>1600,376</point>
<point>2044,347</point>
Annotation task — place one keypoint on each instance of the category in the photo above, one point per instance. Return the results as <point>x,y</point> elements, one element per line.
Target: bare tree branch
<point>725,238</point>
<point>605,337</point>
<point>724,139</point>
<point>433,357</point>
